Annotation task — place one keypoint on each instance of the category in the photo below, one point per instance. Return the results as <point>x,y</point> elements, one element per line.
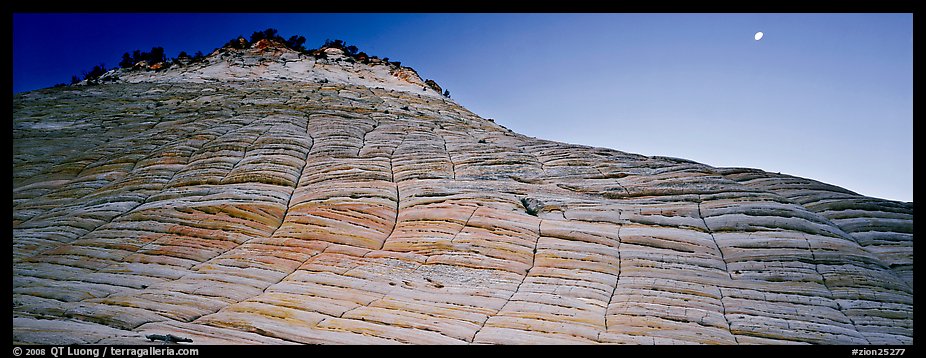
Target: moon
<point>759,35</point>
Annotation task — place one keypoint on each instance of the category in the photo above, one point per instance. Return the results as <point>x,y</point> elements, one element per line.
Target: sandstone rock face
<point>241,201</point>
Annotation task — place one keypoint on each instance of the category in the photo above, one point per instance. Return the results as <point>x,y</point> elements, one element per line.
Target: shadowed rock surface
<point>242,201</point>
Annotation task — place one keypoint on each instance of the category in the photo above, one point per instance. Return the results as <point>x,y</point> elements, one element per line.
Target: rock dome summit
<point>266,195</point>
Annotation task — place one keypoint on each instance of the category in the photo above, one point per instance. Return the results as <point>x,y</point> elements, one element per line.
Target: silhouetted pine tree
<point>156,55</point>
<point>94,73</point>
<point>296,43</point>
<point>127,61</point>
<point>268,34</point>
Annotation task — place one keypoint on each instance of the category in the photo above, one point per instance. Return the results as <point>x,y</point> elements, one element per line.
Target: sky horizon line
<point>815,93</point>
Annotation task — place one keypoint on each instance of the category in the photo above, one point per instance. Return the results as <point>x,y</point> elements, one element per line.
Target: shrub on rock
<point>150,58</point>
<point>95,73</point>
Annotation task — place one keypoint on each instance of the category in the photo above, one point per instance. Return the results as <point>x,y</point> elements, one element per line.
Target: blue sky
<point>823,96</point>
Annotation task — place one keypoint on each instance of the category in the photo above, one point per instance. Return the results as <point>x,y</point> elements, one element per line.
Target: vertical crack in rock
<point>534,257</point>
<point>520,149</point>
<point>395,221</point>
<point>622,187</point>
<point>363,142</point>
<point>518,288</point>
<point>244,153</point>
<point>616,280</point>
<point>289,200</point>
<point>164,187</point>
<point>723,306</point>
<point>453,165</point>
<point>464,225</point>
<point>84,235</point>
<point>816,268</point>
<point>305,162</point>
<point>282,220</point>
<point>831,205</point>
<point>398,198</point>
<point>616,181</point>
<point>711,233</point>
<point>127,212</point>
<point>848,236</point>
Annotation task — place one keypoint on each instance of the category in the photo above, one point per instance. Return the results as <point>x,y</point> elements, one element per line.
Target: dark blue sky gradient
<point>823,96</point>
